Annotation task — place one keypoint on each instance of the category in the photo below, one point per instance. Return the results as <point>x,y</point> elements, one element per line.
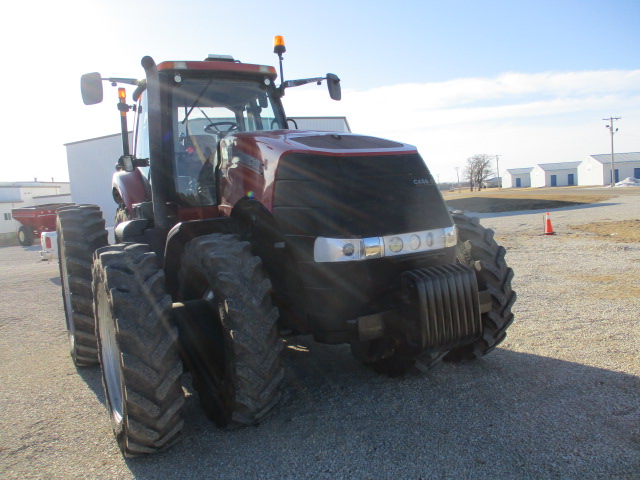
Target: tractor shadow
<point>93,378</point>
<point>508,412</point>
<point>537,211</point>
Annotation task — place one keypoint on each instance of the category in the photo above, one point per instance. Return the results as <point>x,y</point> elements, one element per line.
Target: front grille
<point>442,306</point>
<point>342,196</point>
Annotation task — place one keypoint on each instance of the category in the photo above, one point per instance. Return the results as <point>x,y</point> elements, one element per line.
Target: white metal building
<point>92,163</point>
<point>492,182</point>
<point>596,170</point>
<point>323,124</point>
<point>517,178</point>
<point>563,174</point>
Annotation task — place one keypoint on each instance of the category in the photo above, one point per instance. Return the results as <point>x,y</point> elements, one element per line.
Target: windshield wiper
<point>196,101</point>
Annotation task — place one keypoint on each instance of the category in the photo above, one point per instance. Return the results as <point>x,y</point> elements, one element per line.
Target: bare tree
<point>468,173</point>
<point>478,169</point>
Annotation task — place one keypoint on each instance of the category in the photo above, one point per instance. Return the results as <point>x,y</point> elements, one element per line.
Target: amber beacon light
<point>278,45</point>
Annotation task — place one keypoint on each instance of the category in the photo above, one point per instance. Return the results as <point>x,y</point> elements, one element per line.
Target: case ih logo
<point>421,181</point>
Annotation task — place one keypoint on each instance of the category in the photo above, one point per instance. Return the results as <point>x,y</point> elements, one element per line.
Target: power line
<point>612,131</point>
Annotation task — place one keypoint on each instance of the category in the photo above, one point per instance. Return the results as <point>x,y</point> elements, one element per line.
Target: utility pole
<point>612,131</point>
<point>498,171</point>
<point>458,177</point>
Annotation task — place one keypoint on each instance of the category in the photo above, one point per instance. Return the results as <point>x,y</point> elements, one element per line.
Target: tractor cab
<point>183,111</point>
<point>200,104</point>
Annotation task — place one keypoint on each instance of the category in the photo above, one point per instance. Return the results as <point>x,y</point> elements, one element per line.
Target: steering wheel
<point>216,128</point>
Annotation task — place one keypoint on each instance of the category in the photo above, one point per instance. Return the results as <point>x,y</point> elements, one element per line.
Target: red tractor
<point>236,232</point>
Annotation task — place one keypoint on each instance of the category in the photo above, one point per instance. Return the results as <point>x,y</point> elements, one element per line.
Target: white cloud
<point>526,118</point>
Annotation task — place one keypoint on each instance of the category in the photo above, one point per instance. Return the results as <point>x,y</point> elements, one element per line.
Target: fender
<point>129,188</point>
<point>257,225</point>
<point>180,235</point>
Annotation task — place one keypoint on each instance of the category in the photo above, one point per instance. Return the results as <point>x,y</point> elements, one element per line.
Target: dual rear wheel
<point>230,342</point>
<point>118,313</point>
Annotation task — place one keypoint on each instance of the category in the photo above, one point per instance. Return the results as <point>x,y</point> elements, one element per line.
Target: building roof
<point>559,166</point>
<point>31,184</point>
<point>617,157</point>
<point>519,171</point>
<point>96,138</point>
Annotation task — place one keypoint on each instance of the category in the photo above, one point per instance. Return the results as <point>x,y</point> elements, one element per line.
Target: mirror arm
<point>302,81</point>
<point>115,80</point>
<point>128,163</point>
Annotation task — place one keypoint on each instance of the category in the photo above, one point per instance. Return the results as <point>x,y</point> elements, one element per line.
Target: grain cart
<point>35,220</point>
<point>236,232</point>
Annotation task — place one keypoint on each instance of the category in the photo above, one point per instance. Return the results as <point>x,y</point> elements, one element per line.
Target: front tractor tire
<point>477,249</point>
<point>138,350</point>
<point>81,231</point>
<point>237,370</point>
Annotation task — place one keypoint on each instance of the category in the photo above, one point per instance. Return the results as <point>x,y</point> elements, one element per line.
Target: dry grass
<point>509,200</point>
<point>610,286</point>
<point>618,231</point>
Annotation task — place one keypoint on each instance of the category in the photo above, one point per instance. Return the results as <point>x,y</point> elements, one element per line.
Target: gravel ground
<point>560,398</point>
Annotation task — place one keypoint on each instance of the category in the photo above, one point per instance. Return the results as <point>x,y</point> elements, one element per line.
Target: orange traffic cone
<point>548,229</point>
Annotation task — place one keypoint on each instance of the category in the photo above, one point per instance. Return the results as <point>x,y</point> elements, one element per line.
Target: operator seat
<point>206,184</point>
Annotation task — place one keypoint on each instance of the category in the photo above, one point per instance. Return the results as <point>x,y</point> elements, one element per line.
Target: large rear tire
<point>81,231</point>
<point>477,249</point>
<point>25,236</point>
<point>138,349</point>
<point>239,383</point>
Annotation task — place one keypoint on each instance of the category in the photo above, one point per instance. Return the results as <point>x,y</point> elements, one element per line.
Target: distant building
<point>563,174</point>
<point>596,170</point>
<point>323,124</point>
<point>491,182</point>
<point>517,178</point>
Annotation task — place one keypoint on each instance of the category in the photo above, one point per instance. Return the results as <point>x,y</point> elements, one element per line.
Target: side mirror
<point>333,83</point>
<point>91,88</point>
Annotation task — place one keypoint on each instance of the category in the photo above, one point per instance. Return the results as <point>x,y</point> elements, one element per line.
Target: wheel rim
<point>66,290</point>
<point>21,236</point>
<point>110,356</point>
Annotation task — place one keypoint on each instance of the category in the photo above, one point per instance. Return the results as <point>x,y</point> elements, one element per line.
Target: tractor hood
<point>332,184</point>
<point>274,144</point>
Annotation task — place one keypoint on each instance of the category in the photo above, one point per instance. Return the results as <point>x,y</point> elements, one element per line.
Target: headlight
<point>450,236</point>
<point>352,249</point>
<point>337,249</point>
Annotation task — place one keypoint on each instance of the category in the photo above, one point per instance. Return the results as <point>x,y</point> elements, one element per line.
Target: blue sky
<point>530,81</point>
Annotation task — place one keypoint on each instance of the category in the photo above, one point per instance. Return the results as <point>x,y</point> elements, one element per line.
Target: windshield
<point>205,111</point>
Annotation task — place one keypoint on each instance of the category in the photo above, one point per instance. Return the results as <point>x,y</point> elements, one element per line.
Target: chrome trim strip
<point>373,248</point>
<point>331,249</point>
